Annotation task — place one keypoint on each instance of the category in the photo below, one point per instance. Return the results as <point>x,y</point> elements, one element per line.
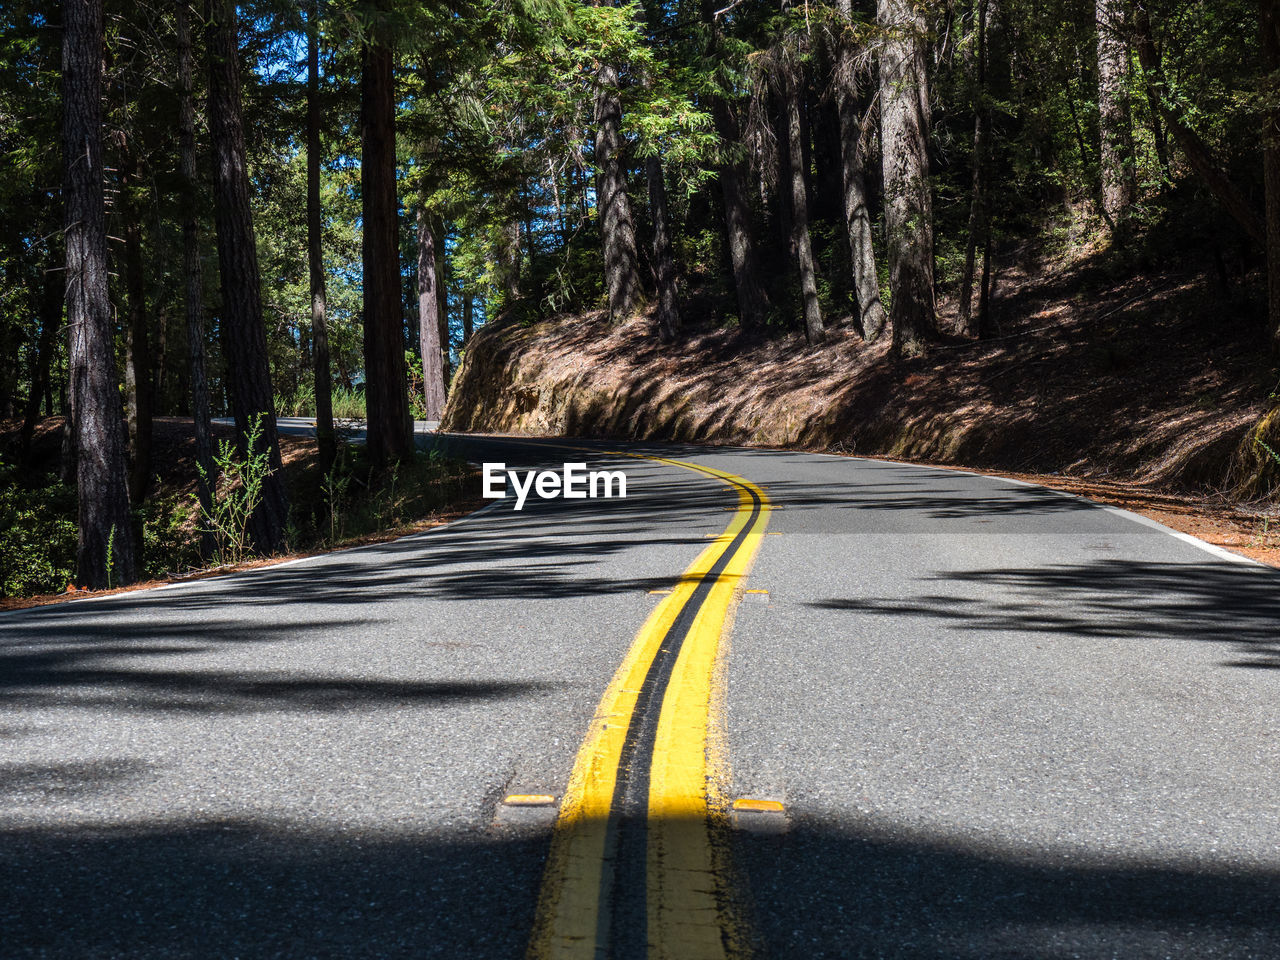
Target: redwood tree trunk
<point>193,272</point>
<point>740,233</point>
<point>617,227</point>
<point>107,550</point>
<point>866,279</point>
<point>1115,123</point>
<point>139,384</point>
<point>244,338</point>
<point>908,214</point>
<point>429,319</point>
<point>1269,21</point>
<point>386,390</point>
<point>664,264</point>
<point>800,207</point>
<point>321,375</point>
<point>979,219</point>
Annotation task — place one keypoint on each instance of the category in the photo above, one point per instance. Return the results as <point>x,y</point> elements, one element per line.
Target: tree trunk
<point>1196,151</point>
<point>979,219</point>
<point>797,171</point>
<point>664,264</point>
<point>386,391</point>
<point>866,279</point>
<point>509,261</point>
<point>244,339</point>
<point>908,214</point>
<point>50,320</point>
<point>1115,124</point>
<point>107,552</point>
<point>740,233</point>
<point>429,320</point>
<point>1269,22</point>
<point>468,318</point>
<point>617,227</point>
<point>439,230</point>
<point>138,373</point>
<point>160,360</point>
<point>321,375</point>
<point>193,272</point>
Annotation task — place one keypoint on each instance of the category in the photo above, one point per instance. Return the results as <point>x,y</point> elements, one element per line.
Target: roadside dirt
<point>1140,383</point>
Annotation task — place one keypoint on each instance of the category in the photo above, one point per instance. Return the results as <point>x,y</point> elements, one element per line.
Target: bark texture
<point>386,391</point>
<point>1115,121</point>
<point>904,134</point>
<point>663,263</point>
<point>322,378</point>
<point>853,152</point>
<point>193,271</point>
<point>979,217</point>
<point>107,551</point>
<point>244,340</point>
<point>429,319</point>
<point>739,229</point>
<point>617,226</point>
<point>139,382</point>
<point>1269,23</point>
<point>796,170</point>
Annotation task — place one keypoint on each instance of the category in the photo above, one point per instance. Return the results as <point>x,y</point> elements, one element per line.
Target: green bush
<point>237,491</point>
<point>38,535</point>
<point>347,404</point>
<point>170,538</point>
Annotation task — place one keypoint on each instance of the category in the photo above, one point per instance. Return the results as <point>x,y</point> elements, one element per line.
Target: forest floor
<point>175,487</point>
<point>1134,380</point>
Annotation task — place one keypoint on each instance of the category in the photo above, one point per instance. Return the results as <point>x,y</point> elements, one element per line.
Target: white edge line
<point>1217,551</point>
<point>1187,538</point>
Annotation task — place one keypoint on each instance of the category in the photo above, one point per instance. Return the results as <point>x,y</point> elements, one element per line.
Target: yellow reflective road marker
<point>747,805</point>
<point>633,859</point>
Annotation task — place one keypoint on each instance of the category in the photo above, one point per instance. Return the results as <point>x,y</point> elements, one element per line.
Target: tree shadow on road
<point>239,888</point>
<point>1236,605</point>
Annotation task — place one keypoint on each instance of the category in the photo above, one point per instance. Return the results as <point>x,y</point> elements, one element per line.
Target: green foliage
<point>170,536</point>
<point>353,500</point>
<point>348,404</point>
<point>237,491</point>
<point>38,536</point>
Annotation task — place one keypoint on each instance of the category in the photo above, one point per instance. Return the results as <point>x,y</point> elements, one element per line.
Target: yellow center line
<point>685,918</point>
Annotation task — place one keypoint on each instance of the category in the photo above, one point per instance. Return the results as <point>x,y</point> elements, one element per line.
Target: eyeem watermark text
<point>574,482</point>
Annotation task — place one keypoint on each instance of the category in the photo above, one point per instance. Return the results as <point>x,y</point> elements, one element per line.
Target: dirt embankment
<point>1155,381</point>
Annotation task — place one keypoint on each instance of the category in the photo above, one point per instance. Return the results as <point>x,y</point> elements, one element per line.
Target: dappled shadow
<point>1231,604</point>
<point>841,891</point>
<point>39,782</point>
<point>254,890</point>
<point>1079,342</point>
<point>110,663</point>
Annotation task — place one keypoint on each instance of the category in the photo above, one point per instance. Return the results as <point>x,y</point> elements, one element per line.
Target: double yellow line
<point>635,869</point>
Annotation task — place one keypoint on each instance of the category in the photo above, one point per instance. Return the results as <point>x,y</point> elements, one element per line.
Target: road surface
<point>981,720</point>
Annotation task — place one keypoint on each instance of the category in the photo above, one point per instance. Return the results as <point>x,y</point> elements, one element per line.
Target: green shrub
<point>237,491</point>
<point>347,404</point>
<point>170,537</point>
<point>38,536</point>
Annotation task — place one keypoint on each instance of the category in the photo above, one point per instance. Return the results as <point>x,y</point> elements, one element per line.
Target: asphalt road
<point>1002,723</point>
